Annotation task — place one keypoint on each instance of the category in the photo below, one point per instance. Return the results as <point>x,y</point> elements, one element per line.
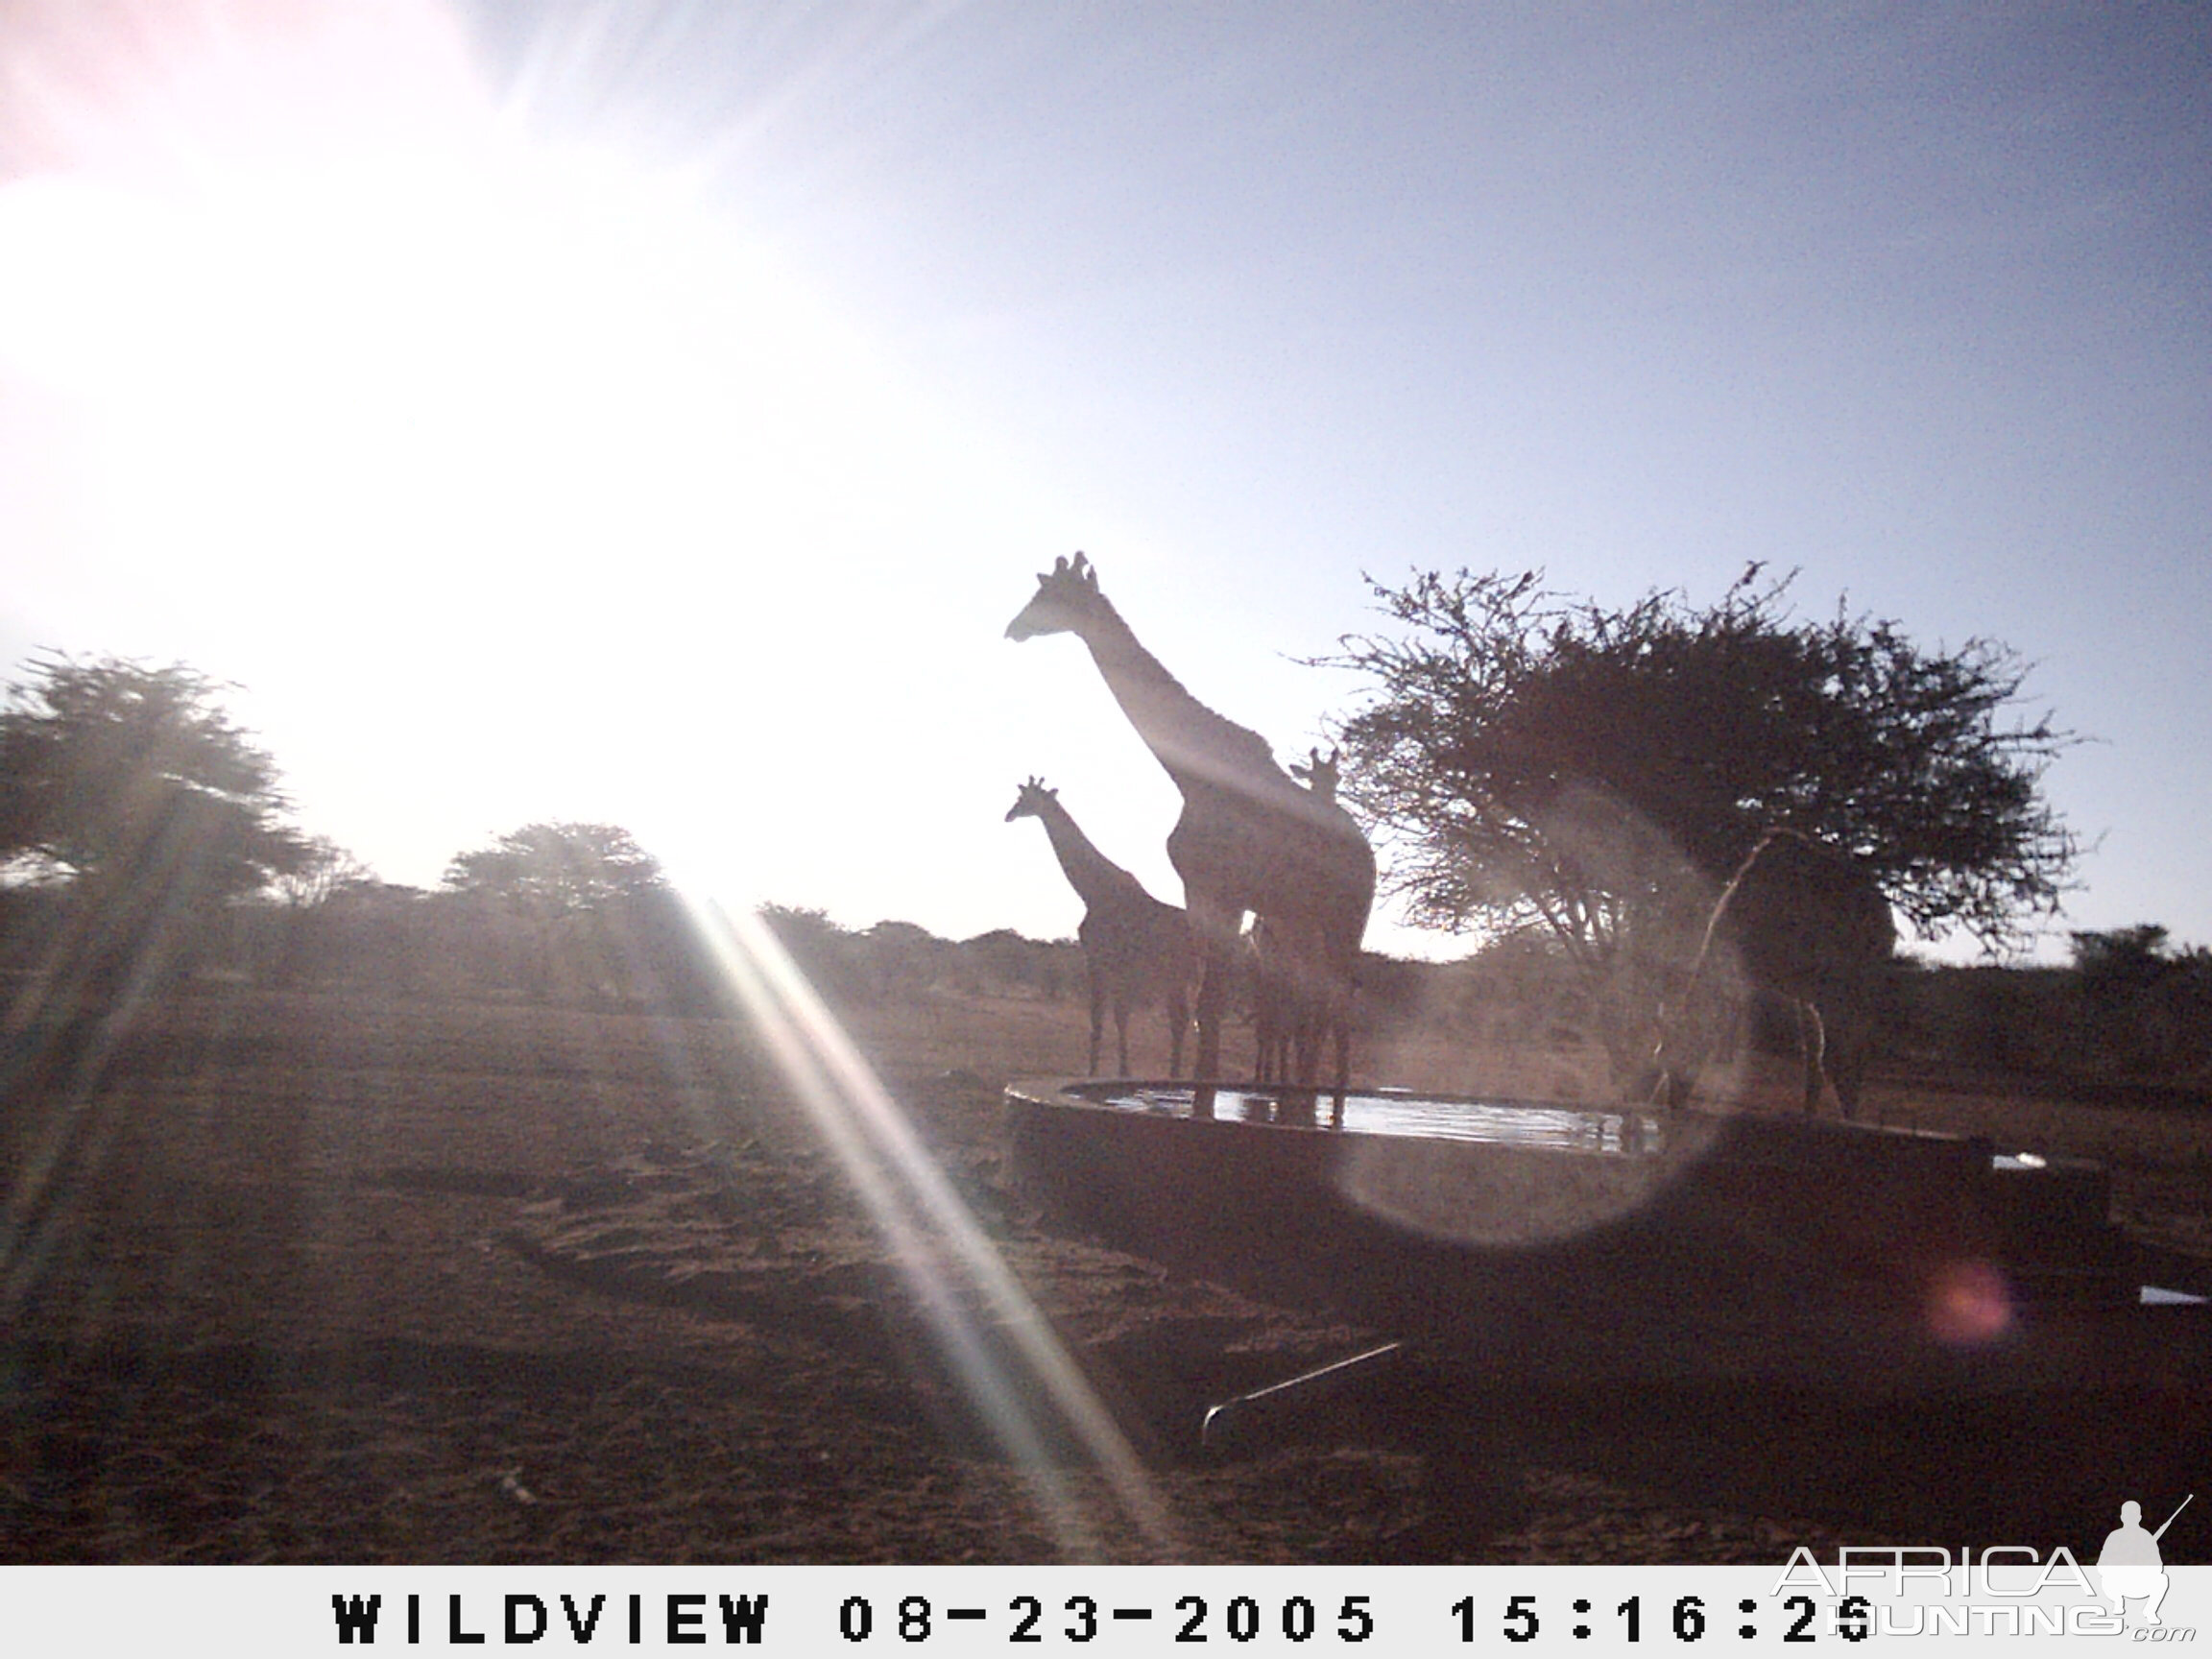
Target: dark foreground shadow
<point>2040,1469</point>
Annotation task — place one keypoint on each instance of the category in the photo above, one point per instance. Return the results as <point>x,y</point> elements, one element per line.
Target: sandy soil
<point>324,1279</point>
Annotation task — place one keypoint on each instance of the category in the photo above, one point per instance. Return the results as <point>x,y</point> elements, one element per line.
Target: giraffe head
<point>1067,594</point>
<point>1030,803</point>
<point>1318,775</point>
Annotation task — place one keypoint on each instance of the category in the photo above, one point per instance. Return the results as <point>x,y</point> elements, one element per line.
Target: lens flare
<point>1015,1375</point>
<point>1969,1304</point>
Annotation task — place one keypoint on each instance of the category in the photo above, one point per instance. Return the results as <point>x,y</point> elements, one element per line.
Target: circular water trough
<point>1594,1242</point>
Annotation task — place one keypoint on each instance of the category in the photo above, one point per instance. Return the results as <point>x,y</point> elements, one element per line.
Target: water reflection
<point>1394,1112</point>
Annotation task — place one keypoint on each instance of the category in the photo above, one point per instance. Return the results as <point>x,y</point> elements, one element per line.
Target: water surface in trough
<point>1496,1122</point>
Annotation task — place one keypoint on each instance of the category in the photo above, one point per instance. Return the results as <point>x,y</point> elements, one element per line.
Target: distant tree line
<point>570,915</point>
<point>144,843</point>
<point>2127,1009</point>
<point>144,847</point>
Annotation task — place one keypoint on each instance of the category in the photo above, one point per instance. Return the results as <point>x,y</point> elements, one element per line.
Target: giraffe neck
<point>1194,743</point>
<point>1097,879</point>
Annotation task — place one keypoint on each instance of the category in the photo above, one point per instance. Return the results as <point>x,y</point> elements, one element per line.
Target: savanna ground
<point>334,1278</point>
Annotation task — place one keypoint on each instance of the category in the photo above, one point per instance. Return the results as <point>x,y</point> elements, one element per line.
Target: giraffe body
<point>1803,923</point>
<point>1137,951</point>
<point>1250,839</point>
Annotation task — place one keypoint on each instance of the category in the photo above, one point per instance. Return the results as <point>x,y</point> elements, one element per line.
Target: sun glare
<point>1022,1383</point>
<point>470,358</point>
<point>368,375</point>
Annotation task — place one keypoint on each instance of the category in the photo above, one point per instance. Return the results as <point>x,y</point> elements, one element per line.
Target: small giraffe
<point>1804,923</point>
<point>1249,838</point>
<point>1137,951</point>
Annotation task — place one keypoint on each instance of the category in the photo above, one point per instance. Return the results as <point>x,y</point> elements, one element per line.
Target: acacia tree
<point>556,869</point>
<point>131,790</point>
<point>570,898</point>
<point>1537,759</point>
<point>322,871</point>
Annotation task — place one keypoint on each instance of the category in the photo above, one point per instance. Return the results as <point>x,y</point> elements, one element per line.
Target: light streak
<point>999,1345</point>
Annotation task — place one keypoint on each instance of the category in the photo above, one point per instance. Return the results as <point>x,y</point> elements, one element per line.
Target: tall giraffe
<point>1137,952</point>
<point>1249,838</point>
<point>1802,922</point>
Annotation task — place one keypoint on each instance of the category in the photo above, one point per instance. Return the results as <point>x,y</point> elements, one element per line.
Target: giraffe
<point>1249,838</point>
<point>1804,923</point>
<point>1137,952</point>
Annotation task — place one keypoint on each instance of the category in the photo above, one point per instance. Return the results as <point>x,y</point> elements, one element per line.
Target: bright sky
<point>653,413</point>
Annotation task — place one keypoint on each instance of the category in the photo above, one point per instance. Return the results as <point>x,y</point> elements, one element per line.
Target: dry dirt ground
<point>319,1278</point>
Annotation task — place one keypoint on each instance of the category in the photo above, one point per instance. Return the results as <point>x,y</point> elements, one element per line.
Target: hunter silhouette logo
<point>2130,1566</point>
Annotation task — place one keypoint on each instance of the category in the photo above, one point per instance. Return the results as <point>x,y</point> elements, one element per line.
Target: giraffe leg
<point>1206,1063</point>
<point>1813,1038</point>
<point>1341,1019</point>
<point>1211,997</point>
<point>1847,1079</point>
<point>1312,1033</point>
<point>1215,927</point>
<point>1121,1036</point>
<point>1671,1072</point>
<point>1097,1021</point>
<point>1265,1020</point>
<point>1847,1070</point>
<point>1267,1040</point>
